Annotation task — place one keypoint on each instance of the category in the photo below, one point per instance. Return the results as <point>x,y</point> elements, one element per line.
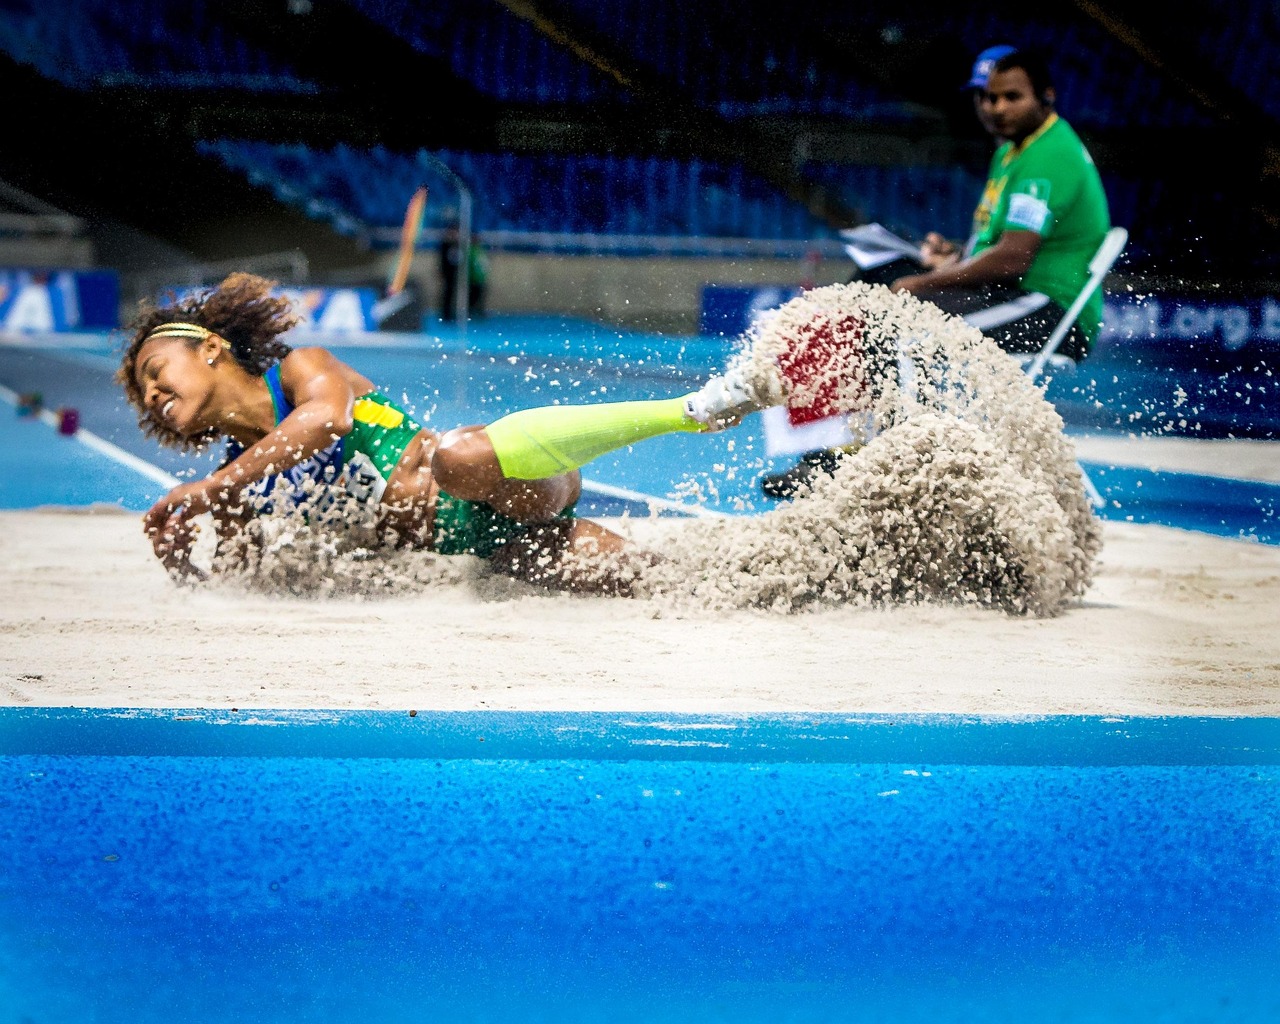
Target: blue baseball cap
<point>986,62</point>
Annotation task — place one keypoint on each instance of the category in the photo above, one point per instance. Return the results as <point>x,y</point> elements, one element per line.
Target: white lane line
<point>102,446</point>
<point>167,480</point>
<point>609,491</point>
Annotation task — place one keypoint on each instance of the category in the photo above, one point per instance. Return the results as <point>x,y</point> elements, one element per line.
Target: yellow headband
<point>178,329</point>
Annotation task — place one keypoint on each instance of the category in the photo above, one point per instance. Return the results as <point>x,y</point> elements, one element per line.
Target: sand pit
<point>952,564</point>
<point>1174,623</point>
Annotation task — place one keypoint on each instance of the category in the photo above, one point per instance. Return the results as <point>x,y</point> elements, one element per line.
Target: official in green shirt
<point>1041,218</point>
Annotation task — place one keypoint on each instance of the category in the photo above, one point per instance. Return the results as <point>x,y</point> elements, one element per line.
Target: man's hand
<point>936,251</point>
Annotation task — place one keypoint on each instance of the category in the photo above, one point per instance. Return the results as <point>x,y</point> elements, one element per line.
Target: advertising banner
<point>59,300</point>
<point>1163,321</point>
<point>333,310</point>
<point>320,310</point>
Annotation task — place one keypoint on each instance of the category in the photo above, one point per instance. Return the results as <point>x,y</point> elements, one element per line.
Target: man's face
<point>984,114</point>
<point>1015,111</point>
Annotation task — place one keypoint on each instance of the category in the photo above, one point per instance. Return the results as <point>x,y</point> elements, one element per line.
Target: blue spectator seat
<point>86,43</point>
<point>500,54</point>
<point>587,195</point>
<point>733,61</point>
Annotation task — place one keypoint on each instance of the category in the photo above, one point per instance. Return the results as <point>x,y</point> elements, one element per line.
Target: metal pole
<point>463,298</point>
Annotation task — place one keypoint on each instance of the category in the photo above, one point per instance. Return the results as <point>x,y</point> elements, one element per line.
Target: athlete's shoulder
<point>309,361</point>
<point>306,355</point>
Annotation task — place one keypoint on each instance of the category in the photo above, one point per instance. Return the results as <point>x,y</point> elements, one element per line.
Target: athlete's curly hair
<point>241,310</point>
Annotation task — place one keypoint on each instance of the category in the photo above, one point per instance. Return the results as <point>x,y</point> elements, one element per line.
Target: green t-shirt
<point>1049,185</point>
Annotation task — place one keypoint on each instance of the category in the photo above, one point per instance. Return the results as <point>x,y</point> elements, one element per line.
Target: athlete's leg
<point>576,555</point>
<point>525,465</point>
<point>466,466</point>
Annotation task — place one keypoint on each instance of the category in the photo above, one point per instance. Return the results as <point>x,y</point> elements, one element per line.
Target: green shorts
<point>474,528</point>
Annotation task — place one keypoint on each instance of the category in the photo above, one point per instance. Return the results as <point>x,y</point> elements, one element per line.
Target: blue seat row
<point>1243,47</point>
<point>741,59</point>
<point>1101,83</point>
<point>84,43</point>
<point>906,199</point>
<point>556,193</point>
<point>634,196</point>
<point>749,58</point>
<point>500,54</point>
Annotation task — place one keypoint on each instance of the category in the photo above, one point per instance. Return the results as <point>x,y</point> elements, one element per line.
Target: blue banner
<point>333,310</point>
<point>320,310</point>
<point>728,310</point>
<point>59,300</point>
<point>1167,321</point>
<point>1198,325</point>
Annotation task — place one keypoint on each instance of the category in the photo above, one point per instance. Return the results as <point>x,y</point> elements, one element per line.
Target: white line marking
<point>102,446</point>
<point>609,491</point>
<point>168,481</point>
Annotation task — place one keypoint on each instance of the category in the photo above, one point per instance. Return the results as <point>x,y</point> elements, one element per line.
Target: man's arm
<point>1007,260</point>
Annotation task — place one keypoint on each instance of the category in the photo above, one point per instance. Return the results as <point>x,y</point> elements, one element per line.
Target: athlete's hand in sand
<point>170,526</point>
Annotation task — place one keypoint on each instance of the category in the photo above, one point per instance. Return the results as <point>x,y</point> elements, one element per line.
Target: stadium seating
<point>527,193</point>
<point>1244,48</point>
<point>775,69</point>
<point>502,55</point>
<point>1101,83</point>
<point>86,43</point>
<point>749,59</point>
<point>519,196</point>
<point>906,200</point>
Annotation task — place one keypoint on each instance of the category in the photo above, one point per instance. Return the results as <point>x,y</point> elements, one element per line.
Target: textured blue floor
<point>977,880</point>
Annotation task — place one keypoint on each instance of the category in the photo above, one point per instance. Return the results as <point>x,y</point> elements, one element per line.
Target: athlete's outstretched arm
<point>319,386</point>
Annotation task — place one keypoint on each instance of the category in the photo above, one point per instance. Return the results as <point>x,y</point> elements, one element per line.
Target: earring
<point>210,362</point>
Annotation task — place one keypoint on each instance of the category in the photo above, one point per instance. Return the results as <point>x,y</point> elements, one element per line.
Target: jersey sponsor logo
<point>1027,211</point>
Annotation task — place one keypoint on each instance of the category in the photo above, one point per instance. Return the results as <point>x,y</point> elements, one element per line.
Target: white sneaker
<point>723,401</point>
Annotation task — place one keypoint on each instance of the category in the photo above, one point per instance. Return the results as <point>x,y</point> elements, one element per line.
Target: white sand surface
<point>966,491</point>
<point>1174,623</point>
<point>1239,458</point>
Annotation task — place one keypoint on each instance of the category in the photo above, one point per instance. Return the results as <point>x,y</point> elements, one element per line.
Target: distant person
<point>450,264</point>
<point>1040,220</point>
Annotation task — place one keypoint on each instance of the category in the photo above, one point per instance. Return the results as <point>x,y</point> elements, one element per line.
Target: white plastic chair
<point>1113,244</point>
